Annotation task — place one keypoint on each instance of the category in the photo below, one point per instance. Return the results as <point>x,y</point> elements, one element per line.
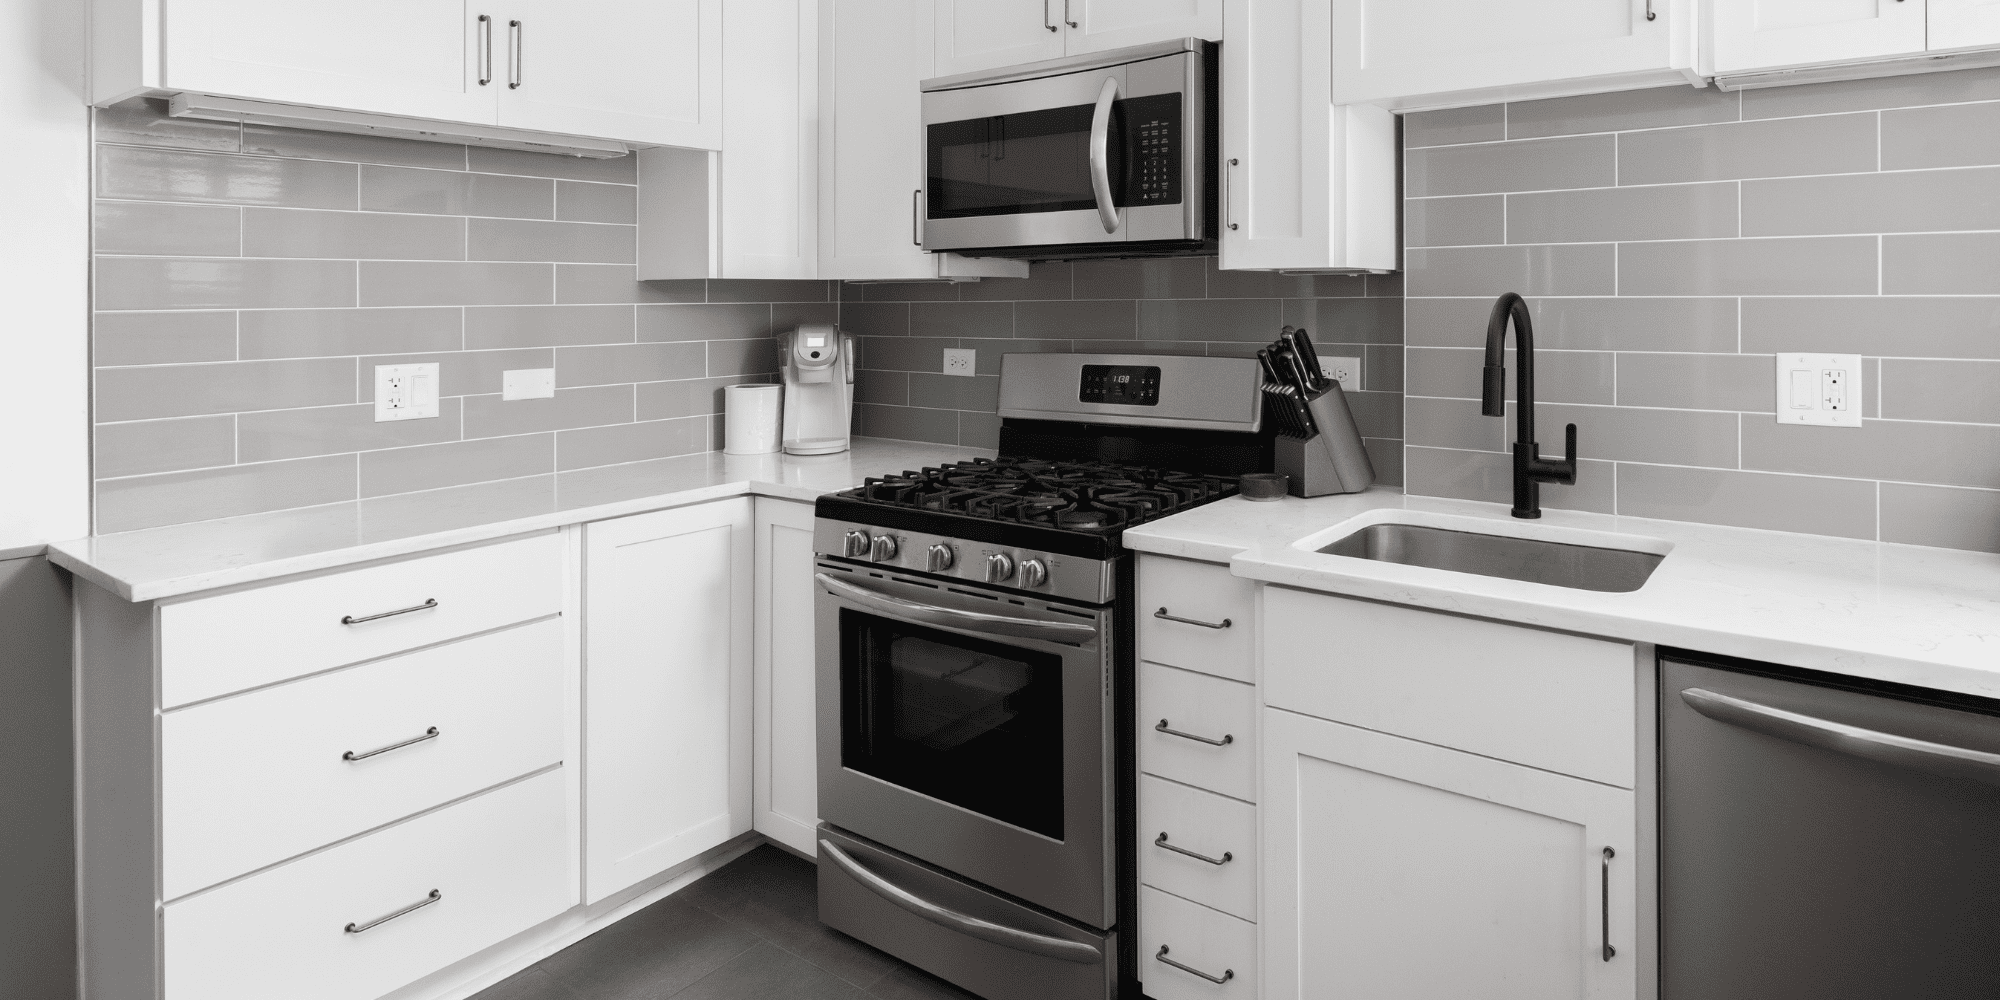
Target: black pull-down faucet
<point>1531,470</point>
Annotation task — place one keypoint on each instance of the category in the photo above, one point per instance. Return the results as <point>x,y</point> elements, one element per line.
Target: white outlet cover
<point>1346,371</point>
<point>528,383</point>
<point>961,361</point>
<point>406,392</point>
<point>1819,390</point>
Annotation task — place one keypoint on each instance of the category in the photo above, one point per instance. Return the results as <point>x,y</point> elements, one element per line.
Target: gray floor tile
<point>768,971</point>
<point>911,983</point>
<point>650,955</point>
<point>776,896</point>
<point>530,984</point>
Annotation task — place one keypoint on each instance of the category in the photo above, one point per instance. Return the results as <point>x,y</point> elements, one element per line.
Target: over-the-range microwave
<point>1108,154</point>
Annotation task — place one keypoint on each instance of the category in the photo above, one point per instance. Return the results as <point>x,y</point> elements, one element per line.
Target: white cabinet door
<point>1397,52</point>
<point>419,58</point>
<point>1397,868</point>
<point>981,34</point>
<point>1110,24</point>
<point>666,681</point>
<point>643,71</point>
<point>1762,34</point>
<point>1302,188</point>
<point>1961,24</point>
<point>787,807</point>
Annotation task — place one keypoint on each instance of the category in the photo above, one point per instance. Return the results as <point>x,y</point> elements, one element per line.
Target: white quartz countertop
<point>1904,613</point>
<point>182,559</point>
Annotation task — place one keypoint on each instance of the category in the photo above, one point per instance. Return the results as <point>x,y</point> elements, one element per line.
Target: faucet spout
<point>1530,468</point>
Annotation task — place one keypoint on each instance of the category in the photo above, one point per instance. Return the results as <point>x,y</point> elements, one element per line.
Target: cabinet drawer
<point>1198,705</point>
<point>250,781</point>
<point>1210,941</point>
<point>211,646</point>
<point>1215,827</point>
<point>1204,593</point>
<point>1559,702</point>
<point>499,863</point>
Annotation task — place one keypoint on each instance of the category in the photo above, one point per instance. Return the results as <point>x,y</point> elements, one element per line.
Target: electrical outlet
<point>960,361</point>
<point>1346,371</point>
<point>528,383</point>
<point>406,392</point>
<point>1822,390</point>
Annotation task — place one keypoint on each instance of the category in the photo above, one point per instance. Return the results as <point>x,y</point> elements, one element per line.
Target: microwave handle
<point>1100,155</point>
<point>1075,633</point>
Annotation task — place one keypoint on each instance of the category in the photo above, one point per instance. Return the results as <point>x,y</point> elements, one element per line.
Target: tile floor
<point>750,930</point>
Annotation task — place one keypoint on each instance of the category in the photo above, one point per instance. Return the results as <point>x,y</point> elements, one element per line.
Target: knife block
<point>1332,460</point>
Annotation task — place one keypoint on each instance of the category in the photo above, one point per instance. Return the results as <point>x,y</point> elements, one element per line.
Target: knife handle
<point>1270,369</point>
<point>1308,353</point>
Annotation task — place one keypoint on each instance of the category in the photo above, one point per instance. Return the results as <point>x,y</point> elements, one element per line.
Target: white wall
<point>44,273</point>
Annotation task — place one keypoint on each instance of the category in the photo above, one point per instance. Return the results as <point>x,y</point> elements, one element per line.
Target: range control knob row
<point>999,567</point>
<point>940,557</point>
<point>1033,573</point>
<point>885,548</point>
<point>855,544</point>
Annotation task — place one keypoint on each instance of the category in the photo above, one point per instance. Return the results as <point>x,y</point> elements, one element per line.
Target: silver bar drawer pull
<point>1223,742</point>
<point>426,606</point>
<point>1161,841</point>
<point>386,917</point>
<point>429,734</point>
<point>1604,907</point>
<point>1227,974</point>
<point>1162,613</point>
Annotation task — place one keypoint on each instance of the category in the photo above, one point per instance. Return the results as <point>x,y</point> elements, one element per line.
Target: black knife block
<point>1332,460</point>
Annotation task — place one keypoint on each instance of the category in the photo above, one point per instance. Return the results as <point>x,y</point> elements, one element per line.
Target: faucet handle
<point>1550,470</point>
<point>1566,472</point>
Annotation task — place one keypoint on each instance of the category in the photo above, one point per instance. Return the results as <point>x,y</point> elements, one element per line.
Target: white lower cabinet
<point>1198,845</point>
<point>1395,868</point>
<point>666,689</point>
<point>787,799</point>
<point>1190,952</point>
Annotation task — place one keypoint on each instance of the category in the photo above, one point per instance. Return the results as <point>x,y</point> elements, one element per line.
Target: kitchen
<point>372,353</point>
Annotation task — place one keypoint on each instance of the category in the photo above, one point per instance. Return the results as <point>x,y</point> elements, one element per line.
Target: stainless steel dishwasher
<point>1825,838</point>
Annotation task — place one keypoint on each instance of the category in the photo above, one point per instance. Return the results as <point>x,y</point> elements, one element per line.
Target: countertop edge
<point>12,552</point>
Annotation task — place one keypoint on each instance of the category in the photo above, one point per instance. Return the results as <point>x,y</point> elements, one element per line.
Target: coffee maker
<point>818,369</point>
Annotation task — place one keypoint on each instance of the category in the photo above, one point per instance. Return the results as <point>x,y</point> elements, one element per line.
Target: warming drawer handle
<point>984,930</point>
<point>1883,748</point>
<point>974,621</point>
<point>1100,155</point>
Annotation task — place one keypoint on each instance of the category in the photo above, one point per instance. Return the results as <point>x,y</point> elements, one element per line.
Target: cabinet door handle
<point>429,734</point>
<point>1161,841</point>
<point>1045,16</point>
<point>1650,16</point>
<point>485,49</point>
<point>515,58</point>
<point>386,917</point>
<point>1226,171</point>
<point>1066,16</point>
<point>1223,742</point>
<point>426,606</point>
<point>1227,974</point>
<point>1162,613</point>
<point>917,217</point>
<point>1604,907</point>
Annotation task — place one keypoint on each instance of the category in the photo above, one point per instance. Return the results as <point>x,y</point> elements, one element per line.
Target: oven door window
<point>974,723</point>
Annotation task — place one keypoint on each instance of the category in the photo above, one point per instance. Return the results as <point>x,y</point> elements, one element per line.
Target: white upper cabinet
<point>1303,187</point>
<point>643,71</point>
<point>1096,25</point>
<point>1411,56</point>
<point>973,35</point>
<point>1748,35</point>
<point>1959,24</point>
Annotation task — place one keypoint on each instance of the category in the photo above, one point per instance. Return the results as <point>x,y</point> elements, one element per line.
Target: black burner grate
<point>1094,497</point>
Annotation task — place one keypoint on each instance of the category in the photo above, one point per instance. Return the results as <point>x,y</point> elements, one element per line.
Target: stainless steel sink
<point>1560,564</point>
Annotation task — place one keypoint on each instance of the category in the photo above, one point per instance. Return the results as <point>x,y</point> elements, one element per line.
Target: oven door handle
<point>972,621</point>
<point>1100,155</point>
<point>984,930</point>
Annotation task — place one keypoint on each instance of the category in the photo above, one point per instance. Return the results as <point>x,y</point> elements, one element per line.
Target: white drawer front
<point>1209,941</point>
<point>1198,705</point>
<point>250,781</point>
<point>500,864</point>
<point>1217,828</point>
<point>211,646</point>
<point>1203,593</point>
<point>1559,702</point>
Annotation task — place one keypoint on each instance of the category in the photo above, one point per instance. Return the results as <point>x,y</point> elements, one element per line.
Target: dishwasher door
<point>1824,843</point>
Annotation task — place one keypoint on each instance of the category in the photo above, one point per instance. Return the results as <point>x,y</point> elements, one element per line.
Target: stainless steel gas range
<point>974,628</point>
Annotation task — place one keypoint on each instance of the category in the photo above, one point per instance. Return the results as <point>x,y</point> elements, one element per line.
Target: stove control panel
<point>1126,385</point>
<point>979,563</point>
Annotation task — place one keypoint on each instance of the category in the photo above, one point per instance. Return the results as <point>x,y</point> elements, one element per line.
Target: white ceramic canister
<point>752,419</point>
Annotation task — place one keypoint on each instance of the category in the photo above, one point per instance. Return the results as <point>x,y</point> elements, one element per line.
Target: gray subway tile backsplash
<point>588,406</point>
<point>455,463</point>
<point>1820,265</point>
<point>317,333</point>
<point>136,174</point>
<point>579,201</point>
<point>443,192</point>
<point>1622,111</point>
<point>1598,215</point>
<point>228,387</point>
<point>222,283</point>
<point>1528,165</point>
<point>452,283</point>
<point>569,242</point>
<point>1941,264</point>
<point>156,229</point>
<point>163,338</point>
<point>268,435</point>
<point>1749,499</point>
<point>280,232</point>
<point>1941,515</point>
<point>145,446</point>
<point>1902,202</point>
<point>202,494</point>
<point>1789,147</point>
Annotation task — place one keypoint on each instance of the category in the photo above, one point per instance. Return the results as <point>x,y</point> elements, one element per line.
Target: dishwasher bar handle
<point>1883,748</point>
<point>984,930</point>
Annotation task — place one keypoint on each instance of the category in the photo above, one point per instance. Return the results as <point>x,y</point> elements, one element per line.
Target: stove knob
<point>856,544</point>
<point>999,567</point>
<point>1033,573</point>
<point>885,548</point>
<point>941,557</point>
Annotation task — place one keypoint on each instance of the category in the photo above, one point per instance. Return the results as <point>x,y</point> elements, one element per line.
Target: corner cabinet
<point>787,752</point>
<point>666,689</point>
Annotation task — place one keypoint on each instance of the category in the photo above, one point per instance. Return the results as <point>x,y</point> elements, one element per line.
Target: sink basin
<point>1534,560</point>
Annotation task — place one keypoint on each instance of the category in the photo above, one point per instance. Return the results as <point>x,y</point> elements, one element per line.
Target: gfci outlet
<point>1346,371</point>
<point>960,361</point>
<point>406,392</point>
<point>1819,389</point>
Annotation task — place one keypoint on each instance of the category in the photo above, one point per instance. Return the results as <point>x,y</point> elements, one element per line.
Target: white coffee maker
<point>818,368</point>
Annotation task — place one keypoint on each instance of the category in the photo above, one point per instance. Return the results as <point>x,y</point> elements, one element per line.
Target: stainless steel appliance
<point>1825,837</point>
<point>1110,154</point>
<point>817,367</point>
<point>974,629</point>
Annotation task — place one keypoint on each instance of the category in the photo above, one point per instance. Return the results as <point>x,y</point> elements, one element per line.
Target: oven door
<point>969,729</point>
<point>1107,155</point>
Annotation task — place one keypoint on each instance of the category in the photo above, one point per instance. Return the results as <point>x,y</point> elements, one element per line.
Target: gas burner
<point>1093,497</point>
<point>1080,519</point>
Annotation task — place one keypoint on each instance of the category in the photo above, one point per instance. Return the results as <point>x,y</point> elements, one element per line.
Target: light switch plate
<point>1822,390</point>
<point>406,392</point>
<point>960,361</point>
<point>1346,371</point>
<point>528,383</point>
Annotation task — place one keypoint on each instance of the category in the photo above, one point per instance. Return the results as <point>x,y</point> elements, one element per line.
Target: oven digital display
<point>1127,385</point>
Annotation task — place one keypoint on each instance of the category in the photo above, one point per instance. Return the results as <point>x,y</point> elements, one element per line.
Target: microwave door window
<point>971,722</point>
<point>1018,164</point>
